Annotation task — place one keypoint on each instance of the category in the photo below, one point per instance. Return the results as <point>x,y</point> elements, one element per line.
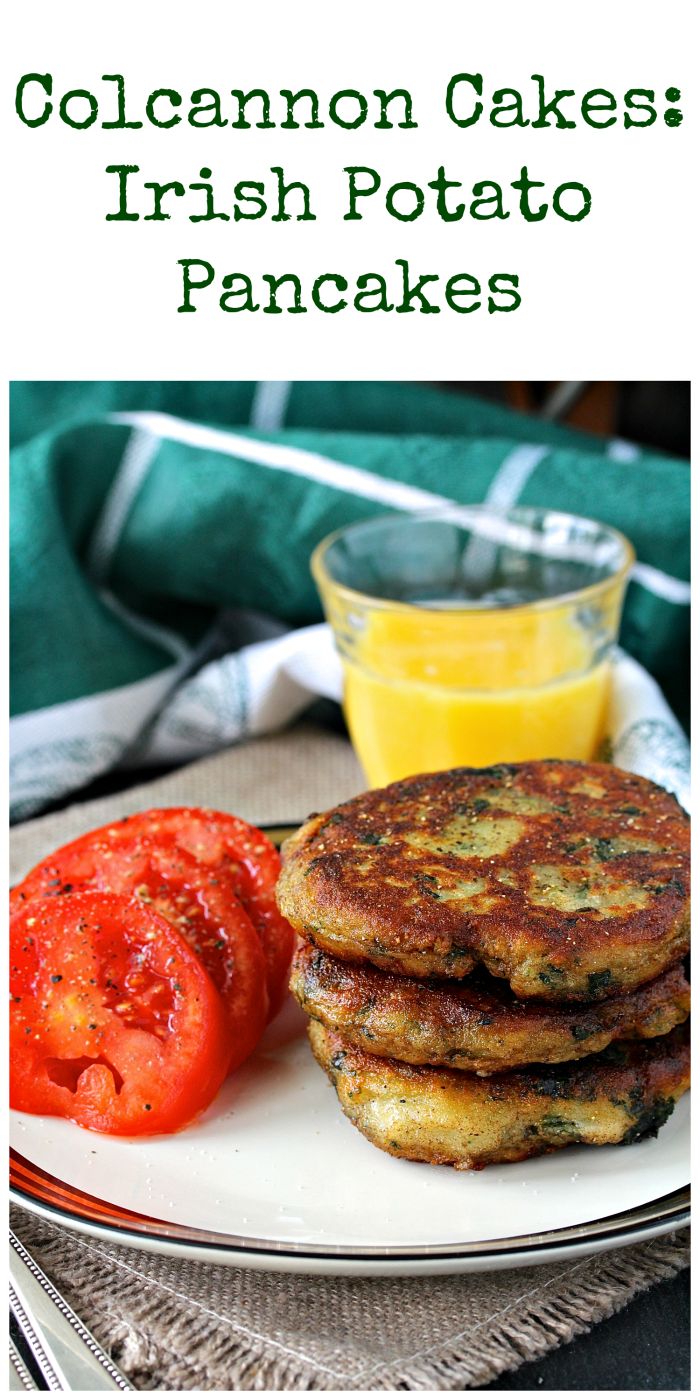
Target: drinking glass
<point>472,635</point>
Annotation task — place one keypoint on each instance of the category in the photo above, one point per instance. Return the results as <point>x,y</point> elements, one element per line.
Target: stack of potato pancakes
<point>492,958</point>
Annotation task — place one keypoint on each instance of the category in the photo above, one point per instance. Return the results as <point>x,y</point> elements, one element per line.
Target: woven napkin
<point>174,1324</point>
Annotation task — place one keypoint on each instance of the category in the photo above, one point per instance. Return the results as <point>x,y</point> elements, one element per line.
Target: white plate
<point>273,1176</point>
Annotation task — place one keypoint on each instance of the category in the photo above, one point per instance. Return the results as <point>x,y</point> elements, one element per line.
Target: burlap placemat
<point>270,781</point>
<point>178,1325</point>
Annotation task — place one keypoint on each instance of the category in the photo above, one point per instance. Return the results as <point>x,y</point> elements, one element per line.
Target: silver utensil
<point>20,1375</point>
<point>59,1344</point>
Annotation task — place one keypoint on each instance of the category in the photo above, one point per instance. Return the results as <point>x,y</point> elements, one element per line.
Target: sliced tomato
<point>217,840</point>
<point>114,1023</point>
<point>223,841</point>
<point>199,900</point>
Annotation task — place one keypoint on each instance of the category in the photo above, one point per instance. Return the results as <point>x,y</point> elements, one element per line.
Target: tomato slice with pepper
<point>199,900</point>
<point>223,841</point>
<point>114,1023</point>
<point>225,844</point>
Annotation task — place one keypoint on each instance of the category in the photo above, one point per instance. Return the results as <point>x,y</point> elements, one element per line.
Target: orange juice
<point>472,635</point>
<point>517,685</point>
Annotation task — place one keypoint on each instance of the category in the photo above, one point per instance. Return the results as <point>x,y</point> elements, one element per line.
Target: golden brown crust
<point>571,880</point>
<point>449,1117</point>
<point>476,1024</point>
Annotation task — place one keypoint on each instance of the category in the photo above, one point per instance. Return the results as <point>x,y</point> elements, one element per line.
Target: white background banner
<point>607,296</point>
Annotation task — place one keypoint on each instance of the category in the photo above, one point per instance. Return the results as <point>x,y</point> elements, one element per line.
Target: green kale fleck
<point>428,884</point>
<point>332,820</point>
<point>603,848</point>
<point>598,981</point>
<point>650,1120</point>
<point>551,975</point>
<point>500,771</point>
<point>677,886</point>
<point>552,1122</point>
<point>553,1086</point>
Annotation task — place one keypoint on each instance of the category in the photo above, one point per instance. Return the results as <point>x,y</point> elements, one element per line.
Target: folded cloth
<point>280,677</point>
<point>264,686</point>
<point>173,1324</point>
<point>341,405</point>
<point>133,535</point>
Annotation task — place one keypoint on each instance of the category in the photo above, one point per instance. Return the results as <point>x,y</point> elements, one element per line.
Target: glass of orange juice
<point>473,635</point>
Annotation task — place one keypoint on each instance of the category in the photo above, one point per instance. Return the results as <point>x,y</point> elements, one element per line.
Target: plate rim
<point>666,1213</point>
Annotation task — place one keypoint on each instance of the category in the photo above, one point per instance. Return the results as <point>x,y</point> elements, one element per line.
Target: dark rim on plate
<point>31,1186</point>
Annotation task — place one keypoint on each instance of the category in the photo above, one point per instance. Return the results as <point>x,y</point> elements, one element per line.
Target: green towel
<point>371,406</point>
<point>129,537</point>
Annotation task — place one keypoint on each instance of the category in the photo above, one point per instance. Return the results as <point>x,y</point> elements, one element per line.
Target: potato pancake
<point>446,1116</point>
<point>569,880</point>
<point>476,1024</point>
